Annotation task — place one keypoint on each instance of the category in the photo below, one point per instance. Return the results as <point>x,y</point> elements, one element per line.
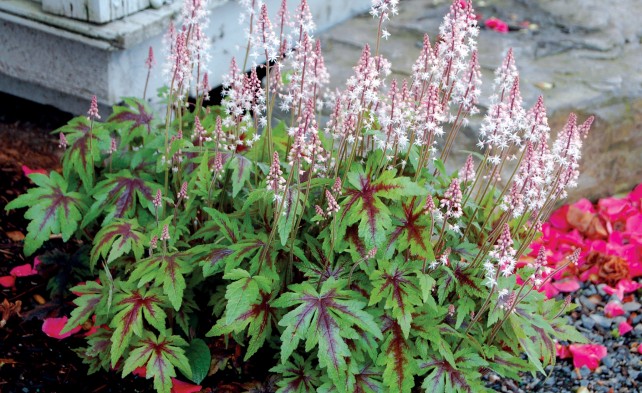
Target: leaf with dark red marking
<point>363,203</point>
<point>324,319</point>
<point>136,115</point>
<point>89,295</point>
<point>397,357</point>
<point>297,375</point>
<point>461,376</point>
<point>258,314</point>
<point>131,305</point>
<point>168,270</point>
<point>364,379</point>
<point>397,286</point>
<point>83,152</point>
<point>411,231</point>
<point>159,355</point>
<point>121,195</point>
<point>52,210</point>
<point>116,239</point>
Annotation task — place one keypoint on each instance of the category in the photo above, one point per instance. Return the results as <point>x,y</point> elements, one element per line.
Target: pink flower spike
<point>179,386</point>
<point>7,281</point>
<point>588,355</point>
<point>23,271</point>
<point>28,171</point>
<point>53,326</point>
<point>497,24</point>
<point>567,285</point>
<point>150,62</point>
<point>92,113</point>
<point>614,309</point>
<point>624,328</point>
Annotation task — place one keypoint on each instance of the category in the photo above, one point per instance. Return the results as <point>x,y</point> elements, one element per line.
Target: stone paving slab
<point>581,55</point>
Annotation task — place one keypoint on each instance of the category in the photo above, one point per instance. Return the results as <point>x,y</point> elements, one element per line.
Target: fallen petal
<point>567,285</point>
<point>563,352</point>
<point>8,281</point>
<point>28,171</point>
<point>140,371</point>
<point>23,271</point>
<point>624,328</point>
<point>614,309</point>
<point>53,326</point>
<point>179,386</point>
<point>588,355</point>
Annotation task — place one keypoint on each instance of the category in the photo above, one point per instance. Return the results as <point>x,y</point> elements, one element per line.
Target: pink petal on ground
<point>628,286</point>
<point>562,351</point>
<point>179,386</point>
<point>585,205</point>
<point>497,25</point>
<point>549,290</point>
<point>588,355</point>
<point>28,171</point>
<point>53,326</point>
<point>615,209</point>
<point>558,218</point>
<point>567,285</point>
<point>140,371</point>
<point>8,281</point>
<point>624,328</point>
<point>640,349</point>
<point>36,262</point>
<point>613,309</point>
<point>636,194</point>
<point>23,271</point>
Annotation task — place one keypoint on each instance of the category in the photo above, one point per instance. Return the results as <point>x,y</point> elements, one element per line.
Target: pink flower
<point>23,271</point>
<point>497,25</point>
<point>8,281</point>
<point>588,355</point>
<point>53,326</point>
<point>184,387</point>
<point>614,309</point>
<point>624,328</point>
<point>28,171</point>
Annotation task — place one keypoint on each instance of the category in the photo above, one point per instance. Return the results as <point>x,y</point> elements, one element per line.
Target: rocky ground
<point>619,372</point>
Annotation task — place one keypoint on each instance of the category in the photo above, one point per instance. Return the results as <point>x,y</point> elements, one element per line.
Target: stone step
<point>62,62</point>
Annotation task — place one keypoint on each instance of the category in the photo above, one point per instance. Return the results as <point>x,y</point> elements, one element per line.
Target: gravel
<point>619,372</point>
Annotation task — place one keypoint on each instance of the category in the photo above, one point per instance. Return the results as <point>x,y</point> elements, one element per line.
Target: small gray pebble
<point>587,303</point>
<point>608,361</point>
<point>602,321</point>
<point>585,371</point>
<point>631,306</point>
<point>588,322</point>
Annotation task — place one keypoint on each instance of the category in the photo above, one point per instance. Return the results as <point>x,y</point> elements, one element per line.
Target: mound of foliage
<point>348,249</point>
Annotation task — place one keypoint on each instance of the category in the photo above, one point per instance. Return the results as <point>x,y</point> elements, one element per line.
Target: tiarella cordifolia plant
<point>346,246</point>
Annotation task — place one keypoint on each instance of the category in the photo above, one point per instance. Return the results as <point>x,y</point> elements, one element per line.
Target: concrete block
<point>59,61</point>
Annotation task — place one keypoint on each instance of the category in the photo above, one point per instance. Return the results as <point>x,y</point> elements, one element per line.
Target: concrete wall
<point>53,60</point>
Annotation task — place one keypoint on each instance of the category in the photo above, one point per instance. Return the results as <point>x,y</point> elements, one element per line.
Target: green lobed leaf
<point>52,210</point>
